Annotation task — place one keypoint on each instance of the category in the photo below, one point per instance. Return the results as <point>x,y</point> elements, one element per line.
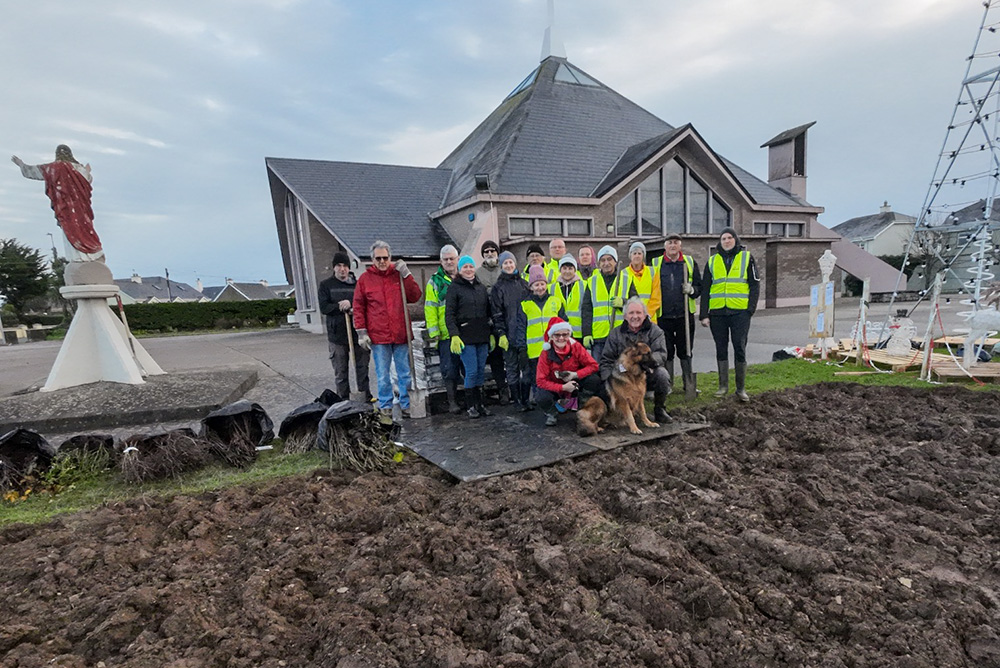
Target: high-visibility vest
<point>434,310</point>
<point>643,284</point>
<point>572,304</point>
<point>730,289</point>
<point>689,262</point>
<point>605,315</point>
<point>538,319</point>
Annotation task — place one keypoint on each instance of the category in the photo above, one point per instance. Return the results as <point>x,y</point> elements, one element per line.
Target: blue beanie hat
<point>464,260</point>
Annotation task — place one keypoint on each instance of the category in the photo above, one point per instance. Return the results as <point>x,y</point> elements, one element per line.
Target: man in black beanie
<point>336,296</point>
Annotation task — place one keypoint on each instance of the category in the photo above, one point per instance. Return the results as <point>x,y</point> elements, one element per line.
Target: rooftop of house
<point>144,288</point>
<point>870,226</point>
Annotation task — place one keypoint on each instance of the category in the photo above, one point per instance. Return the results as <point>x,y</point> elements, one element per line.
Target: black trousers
<point>495,360</point>
<point>733,327</point>
<point>673,332</point>
<point>590,386</point>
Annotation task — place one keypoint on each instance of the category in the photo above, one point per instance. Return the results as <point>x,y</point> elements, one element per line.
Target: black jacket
<point>505,304</point>
<point>753,282</point>
<point>331,292</point>
<point>622,337</point>
<point>467,311</point>
<point>672,276</point>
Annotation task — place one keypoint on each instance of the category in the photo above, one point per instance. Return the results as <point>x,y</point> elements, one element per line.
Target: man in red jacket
<point>380,321</point>
<point>564,368</point>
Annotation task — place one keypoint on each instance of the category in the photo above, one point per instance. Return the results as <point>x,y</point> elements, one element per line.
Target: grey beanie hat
<point>607,250</point>
<point>637,245</point>
<point>567,259</point>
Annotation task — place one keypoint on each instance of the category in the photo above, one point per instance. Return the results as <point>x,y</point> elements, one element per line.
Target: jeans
<point>450,363</point>
<point>340,358</point>
<point>395,354</point>
<point>738,326</point>
<point>474,361</point>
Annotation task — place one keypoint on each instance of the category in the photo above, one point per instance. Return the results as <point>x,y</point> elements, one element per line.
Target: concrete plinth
<point>97,346</point>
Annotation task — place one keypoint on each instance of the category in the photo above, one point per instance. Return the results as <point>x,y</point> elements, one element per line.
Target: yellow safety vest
<point>643,284</point>
<point>434,310</point>
<point>605,316</point>
<point>689,261</point>
<point>538,319</point>
<point>573,305</point>
<point>730,289</point>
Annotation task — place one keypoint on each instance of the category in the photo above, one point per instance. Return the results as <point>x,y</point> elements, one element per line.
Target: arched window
<point>672,199</point>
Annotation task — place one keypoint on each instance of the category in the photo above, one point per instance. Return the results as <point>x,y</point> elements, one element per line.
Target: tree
<point>23,274</point>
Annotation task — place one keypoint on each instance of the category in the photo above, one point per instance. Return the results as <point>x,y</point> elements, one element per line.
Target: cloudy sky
<point>175,105</point>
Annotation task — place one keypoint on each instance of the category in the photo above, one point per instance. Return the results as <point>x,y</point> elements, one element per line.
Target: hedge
<point>188,316</point>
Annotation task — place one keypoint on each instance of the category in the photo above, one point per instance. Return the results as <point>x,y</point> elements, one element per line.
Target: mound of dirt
<point>834,525</point>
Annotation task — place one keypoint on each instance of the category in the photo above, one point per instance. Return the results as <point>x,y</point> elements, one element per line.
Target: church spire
<point>551,44</point>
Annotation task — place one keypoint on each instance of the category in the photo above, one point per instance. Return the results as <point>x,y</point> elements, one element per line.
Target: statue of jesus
<point>67,183</point>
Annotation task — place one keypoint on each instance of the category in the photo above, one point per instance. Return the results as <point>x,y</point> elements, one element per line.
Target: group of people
<point>552,332</point>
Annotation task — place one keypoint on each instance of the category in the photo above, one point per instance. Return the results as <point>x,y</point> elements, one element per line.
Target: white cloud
<point>422,146</point>
<point>111,133</point>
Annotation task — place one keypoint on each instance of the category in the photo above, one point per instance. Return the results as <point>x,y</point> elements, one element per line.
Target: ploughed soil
<point>833,525</point>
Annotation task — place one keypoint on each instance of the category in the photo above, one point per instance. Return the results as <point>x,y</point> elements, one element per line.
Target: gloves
<point>401,267</point>
<point>588,342</point>
<point>364,340</point>
<point>493,342</point>
<point>687,289</point>
<point>618,302</point>
<point>503,343</point>
<point>457,345</point>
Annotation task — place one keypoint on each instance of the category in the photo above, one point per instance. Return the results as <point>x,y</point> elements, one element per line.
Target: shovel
<point>690,378</point>
<point>352,370</point>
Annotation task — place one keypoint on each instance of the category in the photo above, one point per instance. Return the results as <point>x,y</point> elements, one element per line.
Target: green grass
<point>95,490</point>
<point>80,492</point>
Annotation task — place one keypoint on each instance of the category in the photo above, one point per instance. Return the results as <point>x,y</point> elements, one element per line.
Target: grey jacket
<point>622,337</point>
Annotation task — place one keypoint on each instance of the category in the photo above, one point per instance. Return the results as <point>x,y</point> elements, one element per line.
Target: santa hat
<point>556,324</point>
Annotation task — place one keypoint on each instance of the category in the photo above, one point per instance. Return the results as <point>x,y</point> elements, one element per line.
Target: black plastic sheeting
<point>342,412</point>
<point>307,417</point>
<point>224,422</point>
<point>23,452</point>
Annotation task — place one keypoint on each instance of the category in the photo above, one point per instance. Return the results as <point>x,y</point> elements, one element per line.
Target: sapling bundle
<point>24,454</point>
<point>357,438</point>
<point>236,431</point>
<point>87,454</point>
<point>298,429</point>
<point>167,455</point>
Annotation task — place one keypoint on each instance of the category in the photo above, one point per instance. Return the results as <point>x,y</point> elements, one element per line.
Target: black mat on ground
<point>511,441</point>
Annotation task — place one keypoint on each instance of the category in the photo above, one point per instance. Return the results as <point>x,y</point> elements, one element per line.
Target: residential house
<point>884,233</point>
<point>234,291</point>
<point>155,290</point>
<point>563,155</point>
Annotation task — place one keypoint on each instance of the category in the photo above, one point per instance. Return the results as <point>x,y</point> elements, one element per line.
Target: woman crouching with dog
<point>638,328</point>
<point>565,370</point>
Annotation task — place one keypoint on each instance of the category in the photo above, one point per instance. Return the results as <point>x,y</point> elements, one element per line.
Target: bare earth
<point>833,525</point>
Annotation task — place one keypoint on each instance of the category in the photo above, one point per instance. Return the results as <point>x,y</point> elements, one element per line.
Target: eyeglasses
<point>491,251</point>
<point>381,258</point>
<point>559,335</point>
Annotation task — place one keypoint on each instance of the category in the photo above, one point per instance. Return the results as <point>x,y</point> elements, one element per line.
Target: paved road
<point>293,365</point>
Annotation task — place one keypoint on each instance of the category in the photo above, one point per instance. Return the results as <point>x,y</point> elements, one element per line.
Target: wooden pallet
<point>958,340</point>
<point>986,372</point>
<point>899,362</point>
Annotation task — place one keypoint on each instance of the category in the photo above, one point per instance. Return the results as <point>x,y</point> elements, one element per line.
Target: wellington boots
<point>660,414</point>
<point>690,382</point>
<point>723,378</point>
<point>451,390</point>
<point>504,392</point>
<point>470,400</point>
<point>480,405</point>
<point>670,370</point>
<point>741,379</point>
<point>525,396</point>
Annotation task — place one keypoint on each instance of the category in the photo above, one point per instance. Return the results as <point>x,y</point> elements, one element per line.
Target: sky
<point>176,104</point>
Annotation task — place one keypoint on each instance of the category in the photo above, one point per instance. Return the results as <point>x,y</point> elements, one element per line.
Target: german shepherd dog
<point>627,390</point>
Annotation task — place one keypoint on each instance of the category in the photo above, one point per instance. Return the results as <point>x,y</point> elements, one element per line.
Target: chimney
<point>263,282</point>
<point>229,281</point>
<point>136,278</point>
<point>198,286</point>
<point>885,208</point>
<point>786,161</point>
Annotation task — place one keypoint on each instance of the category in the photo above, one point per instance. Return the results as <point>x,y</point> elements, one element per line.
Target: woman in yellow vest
<point>537,308</point>
<point>602,288</point>
<point>730,289</point>
<point>572,291</point>
<point>637,281</point>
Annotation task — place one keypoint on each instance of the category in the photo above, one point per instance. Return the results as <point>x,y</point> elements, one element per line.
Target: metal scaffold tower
<point>953,239</point>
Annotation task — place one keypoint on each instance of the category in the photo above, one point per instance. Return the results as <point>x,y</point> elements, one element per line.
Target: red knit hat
<point>556,324</point>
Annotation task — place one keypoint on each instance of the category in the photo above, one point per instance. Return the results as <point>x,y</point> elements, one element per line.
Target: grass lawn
<point>82,490</point>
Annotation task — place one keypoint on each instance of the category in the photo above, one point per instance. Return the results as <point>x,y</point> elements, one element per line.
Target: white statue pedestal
<point>97,346</point>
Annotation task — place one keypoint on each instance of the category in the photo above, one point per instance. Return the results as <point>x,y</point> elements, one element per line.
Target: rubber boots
<point>670,370</point>
<point>480,404</point>
<point>660,414</point>
<point>472,399</point>
<point>450,389</point>
<point>741,379</point>
<point>723,378</point>
<point>504,394</point>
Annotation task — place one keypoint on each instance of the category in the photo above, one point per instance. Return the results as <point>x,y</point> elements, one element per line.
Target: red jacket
<point>576,358</point>
<point>378,304</point>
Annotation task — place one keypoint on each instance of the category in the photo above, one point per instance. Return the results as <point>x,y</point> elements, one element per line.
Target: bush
<point>43,319</point>
<point>191,316</point>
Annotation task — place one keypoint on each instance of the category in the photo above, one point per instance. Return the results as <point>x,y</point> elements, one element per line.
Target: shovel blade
<point>691,387</point>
